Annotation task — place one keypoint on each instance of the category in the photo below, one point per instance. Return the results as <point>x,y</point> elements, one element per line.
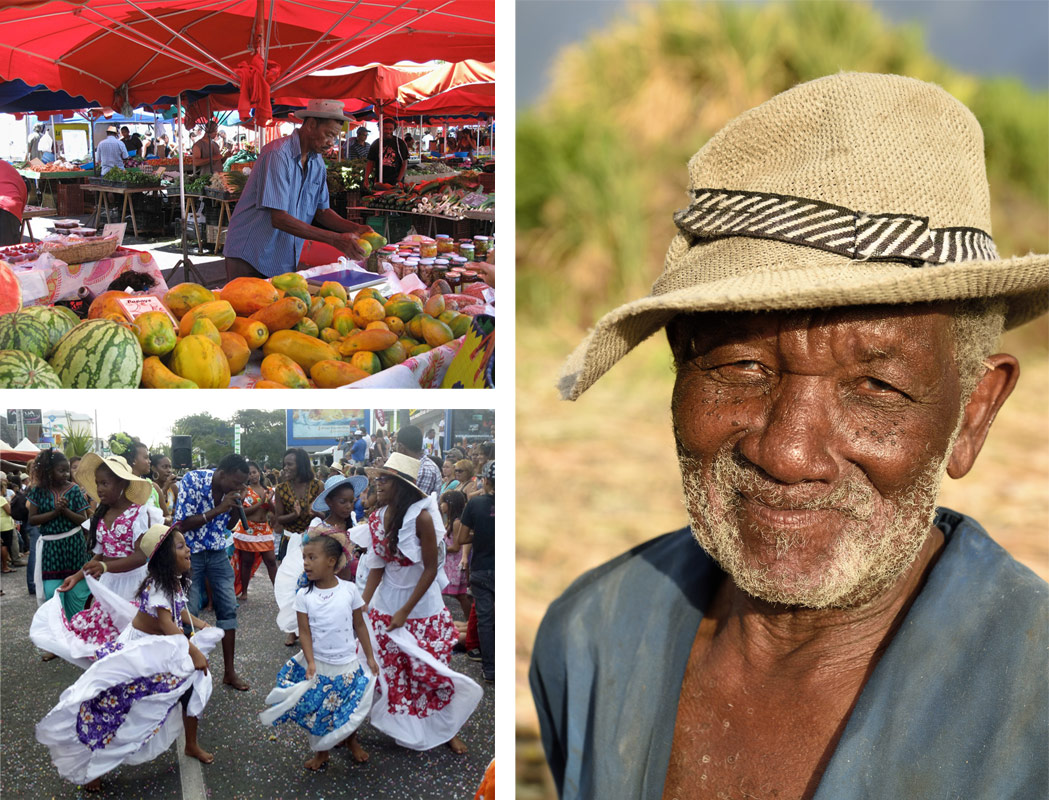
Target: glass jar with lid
<point>428,248</point>
<point>445,244</point>
<point>466,250</point>
<point>426,270</point>
<point>480,248</point>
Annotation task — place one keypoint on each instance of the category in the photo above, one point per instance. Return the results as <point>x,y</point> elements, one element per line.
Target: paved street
<point>251,762</point>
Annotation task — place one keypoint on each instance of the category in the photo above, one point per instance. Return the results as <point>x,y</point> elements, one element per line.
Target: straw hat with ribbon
<point>152,539</point>
<point>324,109</point>
<point>358,482</point>
<point>400,466</point>
<point>138,490</point>
<point>854,189</point>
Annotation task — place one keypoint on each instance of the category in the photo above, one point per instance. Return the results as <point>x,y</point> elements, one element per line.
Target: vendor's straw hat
<point>152,539</point>
<point>399,466</point>
<point>854,189</point>
<point>358,482</point>
<point>324,109</point>
<point>138,490</point>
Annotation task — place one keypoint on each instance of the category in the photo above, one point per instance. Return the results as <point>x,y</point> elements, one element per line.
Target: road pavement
<point>252,762</point>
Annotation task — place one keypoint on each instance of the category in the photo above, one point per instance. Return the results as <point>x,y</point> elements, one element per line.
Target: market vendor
<point>285,201</point>
<point>394,156</point>
<point>358,148</point>
<point>13,195</point>
<point>206,155</point>
<point>110,152</point>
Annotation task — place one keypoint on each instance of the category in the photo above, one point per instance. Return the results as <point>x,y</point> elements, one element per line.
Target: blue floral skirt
<point>330,706</point>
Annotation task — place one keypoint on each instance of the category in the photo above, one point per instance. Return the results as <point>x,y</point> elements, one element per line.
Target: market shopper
<point>33,143</point>
<point>110,152</point>
<point>13,195</point>
<point>478,530</point>
<point>394,156</point>
<point>358,148</point>
<point>285,201</point>
<point>132,142</point>
<point>410,442</point>
<point>202,512</point>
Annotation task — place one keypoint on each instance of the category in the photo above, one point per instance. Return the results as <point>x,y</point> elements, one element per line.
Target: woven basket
<point>87,251</point>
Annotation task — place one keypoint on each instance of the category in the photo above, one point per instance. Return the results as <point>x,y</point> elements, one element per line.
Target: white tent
<point>26,446</point>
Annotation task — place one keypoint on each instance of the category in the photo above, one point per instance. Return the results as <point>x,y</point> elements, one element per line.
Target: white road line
<point>190,773</point>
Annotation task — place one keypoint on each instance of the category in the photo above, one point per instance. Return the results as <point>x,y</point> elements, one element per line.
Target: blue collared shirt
<point>109,153</point>
<point>277,181</point>
<point>194,497</point>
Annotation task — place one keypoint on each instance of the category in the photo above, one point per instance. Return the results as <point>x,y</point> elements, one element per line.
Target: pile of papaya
<point>328,339</point>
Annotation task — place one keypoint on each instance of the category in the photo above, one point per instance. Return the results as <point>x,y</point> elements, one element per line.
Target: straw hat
<point>324,109</point>
<point>138,490</point>
<point>152,539</point>
<point>399,466</point>
<point>358,482</point>
<point>853,189</point>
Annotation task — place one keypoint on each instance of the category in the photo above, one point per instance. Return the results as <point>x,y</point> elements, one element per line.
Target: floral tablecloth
<point>421,372</point>
<point>42,287</point>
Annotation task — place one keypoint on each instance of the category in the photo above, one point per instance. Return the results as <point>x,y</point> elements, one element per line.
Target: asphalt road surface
<point>252,762</point>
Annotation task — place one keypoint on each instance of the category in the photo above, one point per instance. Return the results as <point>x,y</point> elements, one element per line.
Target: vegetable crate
<point>211,234</point>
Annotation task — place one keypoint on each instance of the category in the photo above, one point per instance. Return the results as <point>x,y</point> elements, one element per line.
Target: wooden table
<point>194,200</point>
<point>32,212</point>
<point>49,179</point>
<point>126,191</point>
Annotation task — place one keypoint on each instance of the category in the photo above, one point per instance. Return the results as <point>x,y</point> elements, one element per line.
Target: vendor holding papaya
<point>285,201</point>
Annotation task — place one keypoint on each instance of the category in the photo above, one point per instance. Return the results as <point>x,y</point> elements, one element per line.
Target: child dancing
<point>119,710</point>
<point>324,688</point>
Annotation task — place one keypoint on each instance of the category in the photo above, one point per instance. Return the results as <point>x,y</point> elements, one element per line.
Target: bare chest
<point>736,738</point>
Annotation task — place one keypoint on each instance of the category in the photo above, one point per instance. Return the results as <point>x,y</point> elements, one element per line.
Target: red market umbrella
<point>445,78</point>
<point>120,52</point>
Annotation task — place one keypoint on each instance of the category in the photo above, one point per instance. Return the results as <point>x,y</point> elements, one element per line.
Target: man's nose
<point>795,441</point>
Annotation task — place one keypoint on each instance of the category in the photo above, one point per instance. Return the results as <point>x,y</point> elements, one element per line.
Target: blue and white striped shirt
<point>109,153</point>
<point>277,181</point>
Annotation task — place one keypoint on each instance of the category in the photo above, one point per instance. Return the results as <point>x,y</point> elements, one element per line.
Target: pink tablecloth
<point>42,287</point>
<point>421,372</point>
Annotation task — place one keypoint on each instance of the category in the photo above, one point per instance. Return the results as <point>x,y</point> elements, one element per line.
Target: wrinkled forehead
<point>872,329</point>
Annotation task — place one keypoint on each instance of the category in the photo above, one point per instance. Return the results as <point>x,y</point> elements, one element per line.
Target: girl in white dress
<point>324,689</point>
<point>119,711</point>
<point>422,702</point>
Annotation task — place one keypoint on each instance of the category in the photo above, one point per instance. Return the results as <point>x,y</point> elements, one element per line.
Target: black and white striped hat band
<point>858,235</point>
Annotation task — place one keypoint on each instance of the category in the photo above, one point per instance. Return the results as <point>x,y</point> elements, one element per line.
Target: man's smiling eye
<point>877,385</point>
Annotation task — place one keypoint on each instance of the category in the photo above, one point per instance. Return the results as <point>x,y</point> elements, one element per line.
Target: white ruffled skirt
<point>77,639</point>
<point>286,584</point>
<point>123,709</point>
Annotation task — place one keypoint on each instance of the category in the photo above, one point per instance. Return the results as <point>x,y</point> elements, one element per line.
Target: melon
<point>10,290</point>
<point>21,370</point>
<point>58,324</point>
<point>23,331</point>
<point>98,354</point>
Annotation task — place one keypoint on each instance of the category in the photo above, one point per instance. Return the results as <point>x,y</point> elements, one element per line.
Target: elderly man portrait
<point>832,299</point>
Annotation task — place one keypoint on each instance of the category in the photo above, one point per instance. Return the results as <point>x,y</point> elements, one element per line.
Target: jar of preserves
<point>428,248</point>
<point>466,250</point>
<point>426,270</point>
<point>445,244</point>
<point>469,279</point>
<point>480,248</point>
<point>397,266</point>
<point>411,267</point>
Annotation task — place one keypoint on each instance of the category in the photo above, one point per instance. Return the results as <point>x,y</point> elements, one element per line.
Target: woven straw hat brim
<point>374,472</point>
<point>138,490</point>
<point>824,280</point>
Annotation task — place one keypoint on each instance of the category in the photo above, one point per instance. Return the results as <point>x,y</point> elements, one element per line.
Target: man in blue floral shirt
<point>202,512</point>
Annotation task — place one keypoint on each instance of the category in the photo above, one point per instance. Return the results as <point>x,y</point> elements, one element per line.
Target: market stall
<point>417,314</point>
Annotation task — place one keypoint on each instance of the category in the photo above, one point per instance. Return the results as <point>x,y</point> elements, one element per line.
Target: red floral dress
<point>421,702</point>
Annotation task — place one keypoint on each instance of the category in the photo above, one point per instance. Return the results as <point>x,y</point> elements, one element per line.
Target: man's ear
<point>991,392</point>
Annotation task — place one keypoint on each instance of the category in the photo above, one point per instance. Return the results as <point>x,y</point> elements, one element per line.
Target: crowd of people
<point>364,556</point>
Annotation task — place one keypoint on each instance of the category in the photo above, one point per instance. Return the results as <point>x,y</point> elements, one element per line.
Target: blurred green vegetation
<point>601,159</point>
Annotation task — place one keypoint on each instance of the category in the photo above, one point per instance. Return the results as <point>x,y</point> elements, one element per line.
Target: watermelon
<point>21,330</point>
<point>10,290</point>
<point>98,354</point>
<point>57,323</point>
<point>21,370</point>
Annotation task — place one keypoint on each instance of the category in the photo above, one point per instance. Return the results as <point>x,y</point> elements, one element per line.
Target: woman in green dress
<point>58,507</point>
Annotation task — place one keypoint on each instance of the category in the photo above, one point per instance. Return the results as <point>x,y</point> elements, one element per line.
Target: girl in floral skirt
<point>120,710</point>
<point>323,688</point>
<point>422,702</point>
<point>112,532</point>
